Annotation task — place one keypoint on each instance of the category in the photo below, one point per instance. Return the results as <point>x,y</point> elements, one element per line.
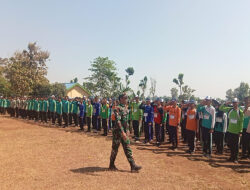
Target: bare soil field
<point>34,157</point>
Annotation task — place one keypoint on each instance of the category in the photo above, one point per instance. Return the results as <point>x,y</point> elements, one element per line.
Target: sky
<point>207,40</point>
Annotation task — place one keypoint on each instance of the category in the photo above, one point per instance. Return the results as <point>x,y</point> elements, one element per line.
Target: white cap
<point>235,100</point>
<point>53,96</point>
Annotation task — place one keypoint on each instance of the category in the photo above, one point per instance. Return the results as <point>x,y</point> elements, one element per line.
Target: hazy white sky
<point>207,40</point>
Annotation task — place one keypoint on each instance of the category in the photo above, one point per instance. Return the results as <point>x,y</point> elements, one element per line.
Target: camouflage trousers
<point>117,140</point>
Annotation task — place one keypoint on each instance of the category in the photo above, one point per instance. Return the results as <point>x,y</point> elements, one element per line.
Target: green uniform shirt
<point>59,106</point>
<point>45,105</point>
<point>136,111</point>
<point>66,105</point>
<point>89,110</point>
<point>75,107</point>
<point>235,119</point>
<point>105,111</point>
<point>53,106</point>
<point>36,105</point>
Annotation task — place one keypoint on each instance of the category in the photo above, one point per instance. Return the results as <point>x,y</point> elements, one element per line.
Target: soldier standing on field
<point>121,135</point>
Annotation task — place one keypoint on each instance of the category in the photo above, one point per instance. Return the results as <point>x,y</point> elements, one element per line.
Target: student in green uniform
<point>45,110</point>
<point>136,113</point>
<point>235,127</point>
<point>70,111</point>
<point>105,116</point>
<point>53,109</point>
<point>66,107</point>
<point>75,111</point>
<point>59,107</point>
<point>89,113</point>
<point>36,109</point>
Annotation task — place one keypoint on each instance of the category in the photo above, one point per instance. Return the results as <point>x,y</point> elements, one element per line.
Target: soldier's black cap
<point>123,95</point>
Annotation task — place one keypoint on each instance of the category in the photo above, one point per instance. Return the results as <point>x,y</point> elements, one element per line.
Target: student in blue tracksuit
<point>149,119</point>
<point>82,109</point>
<point>96,114</point>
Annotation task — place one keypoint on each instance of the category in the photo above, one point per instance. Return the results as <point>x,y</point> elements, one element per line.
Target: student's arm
<point>225,123</point>
<point>224,108</point>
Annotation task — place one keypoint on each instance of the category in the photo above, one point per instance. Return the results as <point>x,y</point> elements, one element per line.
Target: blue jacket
<point>148,113</point>
<point>81,109</point>
<point>96,109</point>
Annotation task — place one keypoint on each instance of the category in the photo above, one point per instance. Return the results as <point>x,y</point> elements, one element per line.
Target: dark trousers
<point>97,123</point>
<point>36,115</point>
<point>207,140</point>
<point>233,143</point>
<point>183,130</point>
<point>163,133</point>
<point>190,135</point>
<point>245,143</point>
<point>17,112</point>
<point>49,115</point>
<point>173,134</point>
<point>158,129</point>
<point>75,119</point>
<point>70,118</point>
<point>53,117</point>
<point>59,119</point>
<point>105,126</point>
<point>136,129</point>
<point>66,119</point>
<point>45,117</point>
<point>81,122</point>
<point>219,141</point>
<point>89,122</point>
<point>148,132</point>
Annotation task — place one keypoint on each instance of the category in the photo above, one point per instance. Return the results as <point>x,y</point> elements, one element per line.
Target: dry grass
<point>33,157</point>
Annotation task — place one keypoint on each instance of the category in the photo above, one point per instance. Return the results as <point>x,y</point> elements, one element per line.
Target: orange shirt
<point>174,115</point>
<point>191,120</point>
<point>113,114</point>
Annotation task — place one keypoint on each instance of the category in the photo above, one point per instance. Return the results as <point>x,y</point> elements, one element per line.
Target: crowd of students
<point>209,122</point>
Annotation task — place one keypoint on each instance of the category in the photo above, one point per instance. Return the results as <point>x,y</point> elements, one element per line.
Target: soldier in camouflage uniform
<point>120,135</point>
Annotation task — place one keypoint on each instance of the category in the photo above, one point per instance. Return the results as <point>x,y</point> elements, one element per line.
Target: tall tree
<point>103,80</point>
<point>187,93</point>
<point>26,69</point>
<point>179,82</point>
<point>230,95</point>
<point>130,71</point>
<point>143,86</point>
<point>174,93</point>
<point>242,91</point>
<point>152,88</point>
<point>58,89</point>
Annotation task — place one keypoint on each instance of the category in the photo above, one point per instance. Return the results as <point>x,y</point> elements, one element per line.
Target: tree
<point>26,69</point>
<point>75,80</point>
<point>103,80</point>
<point>230,95</point>
<point>242,91</point>
<point>174,93</point>
<point>179,82</point>
<point>4,84</point>
<point>42,89</point>
<point>130,72</point>
<point>187,93</point>
<point>143,86</point>
<point>58,89</point>
<point>152,88</point>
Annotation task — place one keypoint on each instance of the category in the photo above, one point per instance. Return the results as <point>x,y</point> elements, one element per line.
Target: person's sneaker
<point>236,161</point>
<point>135,168</point>
<point>187,151</point>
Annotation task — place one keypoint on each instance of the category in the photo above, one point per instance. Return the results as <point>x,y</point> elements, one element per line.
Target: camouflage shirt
<point>121,117</point>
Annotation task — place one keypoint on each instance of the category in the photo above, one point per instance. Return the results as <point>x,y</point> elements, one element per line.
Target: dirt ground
<point>35,157</point>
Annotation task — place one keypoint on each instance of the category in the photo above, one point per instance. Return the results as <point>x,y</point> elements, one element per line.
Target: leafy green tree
<point>26,69</point>
<point>42,89</point>
<point>58,89</point>
<point>242,91</point>
<point>103,80</point>
<point>179,82</point>
<point>143,86</point>
<point>230,95</point>
<point>130,71</point>
<point>187,93</point>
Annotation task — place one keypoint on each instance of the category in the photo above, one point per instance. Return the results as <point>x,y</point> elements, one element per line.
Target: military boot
<point>134,167</point>
<point>112,166</point>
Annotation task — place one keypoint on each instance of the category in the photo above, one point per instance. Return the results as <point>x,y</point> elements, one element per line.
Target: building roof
<point>69,86</point>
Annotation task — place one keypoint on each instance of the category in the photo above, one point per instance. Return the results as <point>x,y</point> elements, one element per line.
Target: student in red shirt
<point>158,119</point>
<point>191,126</point>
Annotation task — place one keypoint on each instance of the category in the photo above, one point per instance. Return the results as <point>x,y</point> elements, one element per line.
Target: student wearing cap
<point>149,119</point>
<point>220,129</point>
<point>158,120</point>
<point>89,113</point>
<point>174,122</point>
<point>246,134</point>
<point>208,122</point>
<point>136,117</point>
<point>96,115</point>
<point>81,114</point>
<point>191,125</point>
<point>105,116</point>
<point>236,117</point>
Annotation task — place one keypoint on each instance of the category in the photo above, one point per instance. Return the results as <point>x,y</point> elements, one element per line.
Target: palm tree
<point>179,82</point>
